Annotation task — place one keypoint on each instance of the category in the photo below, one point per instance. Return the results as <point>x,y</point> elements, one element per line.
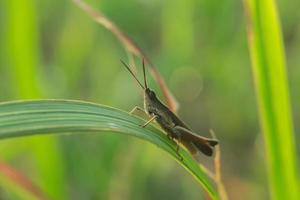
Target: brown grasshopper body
<point>171,124</point>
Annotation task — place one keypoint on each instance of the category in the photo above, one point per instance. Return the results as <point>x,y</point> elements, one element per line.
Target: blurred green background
<point>51,49</point>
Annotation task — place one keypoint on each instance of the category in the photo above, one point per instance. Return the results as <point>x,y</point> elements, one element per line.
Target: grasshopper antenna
<point>127,67</point>
<point>144,71</point>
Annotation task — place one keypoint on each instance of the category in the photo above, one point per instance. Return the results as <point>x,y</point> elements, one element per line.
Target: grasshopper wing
<point>189,139</point>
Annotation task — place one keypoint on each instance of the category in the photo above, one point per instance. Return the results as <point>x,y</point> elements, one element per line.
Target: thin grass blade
<point>269,71</point>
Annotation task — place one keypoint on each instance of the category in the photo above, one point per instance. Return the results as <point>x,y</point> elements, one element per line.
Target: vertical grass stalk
<point>22,44</point>
<point>269,71</point>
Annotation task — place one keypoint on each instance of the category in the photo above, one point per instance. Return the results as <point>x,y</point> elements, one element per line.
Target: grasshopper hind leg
<point>177,151</point>
<point>195,142</point>
<point>172,138</point>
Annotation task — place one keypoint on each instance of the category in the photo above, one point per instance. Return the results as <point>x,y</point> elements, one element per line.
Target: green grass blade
<point>25,118</point>
<point>22,43</point>
<point>269,70</point>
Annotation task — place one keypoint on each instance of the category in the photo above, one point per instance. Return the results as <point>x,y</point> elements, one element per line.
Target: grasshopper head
<point>149,95</point>
<point>150,100</point>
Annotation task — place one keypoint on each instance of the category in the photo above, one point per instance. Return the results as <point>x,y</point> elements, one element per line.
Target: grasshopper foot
<point>180,157</point>
<point>177,149</point>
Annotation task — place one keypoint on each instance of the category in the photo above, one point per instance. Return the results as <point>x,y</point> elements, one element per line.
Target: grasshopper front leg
<point>137,108</point>
<point>150,120</point>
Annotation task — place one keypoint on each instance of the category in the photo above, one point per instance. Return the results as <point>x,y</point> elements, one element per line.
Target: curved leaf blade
<point>25,118</point>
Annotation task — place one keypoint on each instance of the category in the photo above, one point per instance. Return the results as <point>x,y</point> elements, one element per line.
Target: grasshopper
<point>170,123</point>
